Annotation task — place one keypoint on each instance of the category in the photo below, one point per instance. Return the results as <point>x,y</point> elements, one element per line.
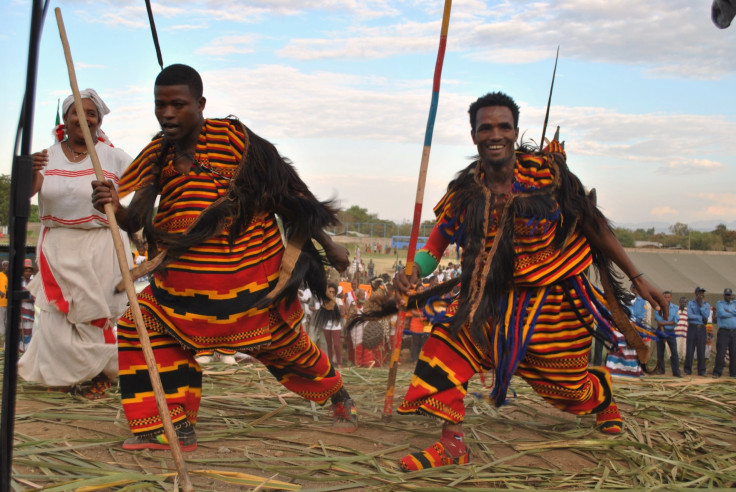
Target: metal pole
<point>20,205</point>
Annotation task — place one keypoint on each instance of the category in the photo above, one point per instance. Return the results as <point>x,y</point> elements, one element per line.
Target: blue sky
<point>645,91</point>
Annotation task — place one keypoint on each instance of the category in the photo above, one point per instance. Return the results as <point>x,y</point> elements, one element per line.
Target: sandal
<point>98,389</point>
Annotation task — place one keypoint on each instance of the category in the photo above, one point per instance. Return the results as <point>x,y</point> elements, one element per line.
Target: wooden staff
<point>396,350</point>
<point>140,326</point>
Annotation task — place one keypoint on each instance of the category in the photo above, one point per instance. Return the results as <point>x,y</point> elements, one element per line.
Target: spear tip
<point>549,100</point>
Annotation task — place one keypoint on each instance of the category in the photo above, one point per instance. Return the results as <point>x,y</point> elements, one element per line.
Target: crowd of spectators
<point>686,337</point>
<point>362,287</point>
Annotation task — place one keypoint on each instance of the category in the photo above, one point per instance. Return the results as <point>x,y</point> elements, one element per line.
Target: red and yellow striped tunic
<point>537,261</point>
<point>206,296</point>
<point>543,320</point>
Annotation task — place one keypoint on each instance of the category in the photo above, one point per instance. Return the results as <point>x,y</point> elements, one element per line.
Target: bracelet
<point>635,277</point>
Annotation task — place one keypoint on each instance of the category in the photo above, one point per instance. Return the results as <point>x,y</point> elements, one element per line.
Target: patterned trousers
<point>555,363</point>
<point>291,357</point>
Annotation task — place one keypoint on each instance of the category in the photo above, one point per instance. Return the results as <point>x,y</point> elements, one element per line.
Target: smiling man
<point>528,234</point>
<point>227,281</point>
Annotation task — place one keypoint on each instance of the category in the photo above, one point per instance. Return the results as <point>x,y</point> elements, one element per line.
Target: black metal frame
<point>20,206</point>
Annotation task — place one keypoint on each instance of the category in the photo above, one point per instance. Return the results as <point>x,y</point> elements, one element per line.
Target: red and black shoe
<point>344,416</point>
<point>434,456</point>
<point>98,388</point>
<point>609,420</point>
<point>186,435</point>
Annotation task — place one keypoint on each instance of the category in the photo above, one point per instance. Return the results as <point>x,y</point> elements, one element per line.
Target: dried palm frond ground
<point>678,433</point>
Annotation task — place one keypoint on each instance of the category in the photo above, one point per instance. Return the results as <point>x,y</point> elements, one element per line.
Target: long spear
<point>549,100</point>
<point>393,367</point>
<point>153,33</point>
<point>140,326</point>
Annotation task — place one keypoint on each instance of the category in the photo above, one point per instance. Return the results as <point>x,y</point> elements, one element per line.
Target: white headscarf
<point>102,110</point>
<point>91,94</point>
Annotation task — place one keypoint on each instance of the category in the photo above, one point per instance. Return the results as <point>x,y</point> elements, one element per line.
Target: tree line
<point>5,203</point>
<point>358,221</point>
<point>680,236</point>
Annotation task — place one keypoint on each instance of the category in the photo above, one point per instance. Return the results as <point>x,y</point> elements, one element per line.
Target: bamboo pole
<point>158,390</point>
<point>417,219</point>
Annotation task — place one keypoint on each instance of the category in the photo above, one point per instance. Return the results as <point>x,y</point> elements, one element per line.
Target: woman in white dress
<point>75,338</point>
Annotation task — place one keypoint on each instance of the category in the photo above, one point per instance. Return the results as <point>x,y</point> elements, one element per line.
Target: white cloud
<point>655,140</point>
<point>709,206</point>
<point>132,13</point>
<point>725,199</point>
<point>357,47</point>
<point>666,210</point>
<point>130,17</point>
<point>690,166</point>
<point>717,211</point>
<point>226,45</point>
<point>666,38</point>
<point>297,104</point>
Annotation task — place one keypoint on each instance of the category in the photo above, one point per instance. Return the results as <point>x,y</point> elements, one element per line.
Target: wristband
<point>426,263</point>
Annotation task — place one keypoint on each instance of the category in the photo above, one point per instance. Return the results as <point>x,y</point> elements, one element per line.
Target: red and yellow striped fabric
<point>292,358</point>
<point>554,362</point>
<point>541,333</point>
<point>537,261</point>
<point>205,298</point>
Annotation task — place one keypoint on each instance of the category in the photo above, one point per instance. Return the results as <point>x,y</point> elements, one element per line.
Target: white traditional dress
<point>75,338</point>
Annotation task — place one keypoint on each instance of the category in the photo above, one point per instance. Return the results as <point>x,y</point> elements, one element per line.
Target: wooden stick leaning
<point>140,327</point>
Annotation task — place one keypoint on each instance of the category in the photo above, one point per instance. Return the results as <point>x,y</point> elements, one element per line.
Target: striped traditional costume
<point>526,305</point>
<point>213,295</point>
